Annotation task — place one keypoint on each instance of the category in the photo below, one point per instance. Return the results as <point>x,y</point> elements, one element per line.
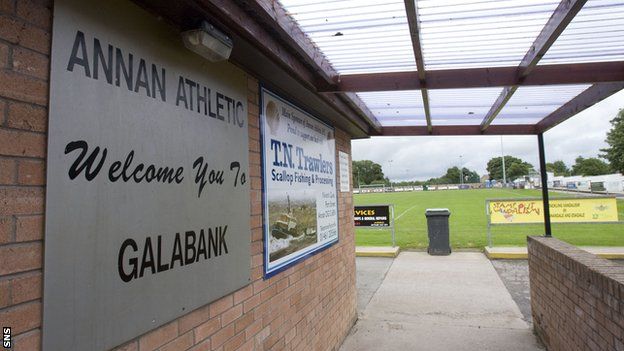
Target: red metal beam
<point>521,129</point>
<point>561,17</point>
<point>578,73</point>
<point>498,105</point>
<point>412,20</point>
<point>588,98</point>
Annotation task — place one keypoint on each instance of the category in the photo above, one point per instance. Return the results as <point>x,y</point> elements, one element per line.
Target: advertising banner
<point>572,210</point>
<point>372,216</point>
<point>147,213</point>
<point>300,197</point>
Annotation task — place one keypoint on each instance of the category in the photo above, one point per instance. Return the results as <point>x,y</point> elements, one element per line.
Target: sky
<point>421,158</point>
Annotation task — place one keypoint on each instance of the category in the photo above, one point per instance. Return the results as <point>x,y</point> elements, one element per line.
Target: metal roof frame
<point>273,31</point>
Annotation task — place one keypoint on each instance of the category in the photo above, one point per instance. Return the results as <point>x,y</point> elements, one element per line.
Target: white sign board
<point>300,199</point>
<point>345,176</point>
<point>147,213</point>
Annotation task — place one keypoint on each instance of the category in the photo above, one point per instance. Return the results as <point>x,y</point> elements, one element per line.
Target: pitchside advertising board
<point>147,213</point>
<point>372,216</point>
<point>300,198</point>
<point>573,210</point>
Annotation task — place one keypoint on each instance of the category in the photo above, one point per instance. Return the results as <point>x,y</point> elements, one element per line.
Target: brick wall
<point>576,297</point>
<point>310,306</point>
<point>24,69</point>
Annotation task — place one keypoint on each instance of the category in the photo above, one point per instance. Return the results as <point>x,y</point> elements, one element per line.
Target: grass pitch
<point>468,221</point>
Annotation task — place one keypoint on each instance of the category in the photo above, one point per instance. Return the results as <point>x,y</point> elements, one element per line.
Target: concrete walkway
<point>455,302</point>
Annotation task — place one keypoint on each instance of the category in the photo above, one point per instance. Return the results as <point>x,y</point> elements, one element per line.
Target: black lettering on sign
<point>127,172</point>
<point>203,177</point>
<point>196,248</point>
<point>147,77</point>
<point>77,167</point>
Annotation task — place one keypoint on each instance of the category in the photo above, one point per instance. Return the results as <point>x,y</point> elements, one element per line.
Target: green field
<point>468,221</point>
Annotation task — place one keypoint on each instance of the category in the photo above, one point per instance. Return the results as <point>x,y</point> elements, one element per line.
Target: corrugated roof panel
<point>357,36</point>
<point>396,108</point>
<point>461,106</point>
<point>468,34</point>
<point>531,104</point>
<point>596,34</point>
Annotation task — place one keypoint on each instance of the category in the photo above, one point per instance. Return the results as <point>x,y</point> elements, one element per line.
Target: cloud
<point>424,157</point>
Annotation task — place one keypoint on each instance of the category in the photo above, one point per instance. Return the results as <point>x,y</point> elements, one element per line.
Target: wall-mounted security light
<point>208,42</point>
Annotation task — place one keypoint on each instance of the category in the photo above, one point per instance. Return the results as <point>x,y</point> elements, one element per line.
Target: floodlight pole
<point>461,170</point>
<point>503,156</point>
<point>544,181</point>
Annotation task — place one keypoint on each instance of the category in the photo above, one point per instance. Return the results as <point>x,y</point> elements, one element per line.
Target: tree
<point>615,138</point>
<point>590,167</point>
<point>514,168</point>
<point>452,176</point>
<point>471,176</point>
<point>366,172</point>
<point>559,168</point>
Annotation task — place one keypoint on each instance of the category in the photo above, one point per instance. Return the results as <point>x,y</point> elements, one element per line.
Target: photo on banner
<point>299,190</point>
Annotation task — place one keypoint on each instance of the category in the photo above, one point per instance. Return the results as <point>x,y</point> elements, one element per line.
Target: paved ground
<point>455,302</point>
<point>371,271</point>
<point>515,276</point>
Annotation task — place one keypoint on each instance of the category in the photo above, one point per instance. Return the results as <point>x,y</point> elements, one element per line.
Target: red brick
<point>193,319</point>
<point>202,346</point>
<point>244,322</point>
<point>223,335</point>
<point>131,346</point>
<point>27,117</point>
<point>38,12</point>
<point>17,143</point>
<point>9,29</point>
<point>21,33</point>
<point>6,230</point>
<point>8,170</point>
<point>243,294</point>
<point>248,346</point>
<point>232,314</point>
<point>234,343</point>
<point>20,257</point>
<point>4,56</point>
<point>253,329</point>
<point>221,305</point>
<point>5,293</point>
<point>7,6</point>
<point>29,228</point>
<point>31,63</point>
<point>180,343</point>
<point>16,201</point>
<point>251,303</point>
<point>205,330</point>
<point>30,341</point>
<point>23,317</point>
<point>26,288</point>
<point>158,337</point>
<point>31,172</point>
<point>24,88</point>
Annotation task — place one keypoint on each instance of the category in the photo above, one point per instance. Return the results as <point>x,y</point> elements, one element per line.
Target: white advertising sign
<point>300,199</point>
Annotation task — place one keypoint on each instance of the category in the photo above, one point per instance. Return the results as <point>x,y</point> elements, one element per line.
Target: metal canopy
<point>457,67</point>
